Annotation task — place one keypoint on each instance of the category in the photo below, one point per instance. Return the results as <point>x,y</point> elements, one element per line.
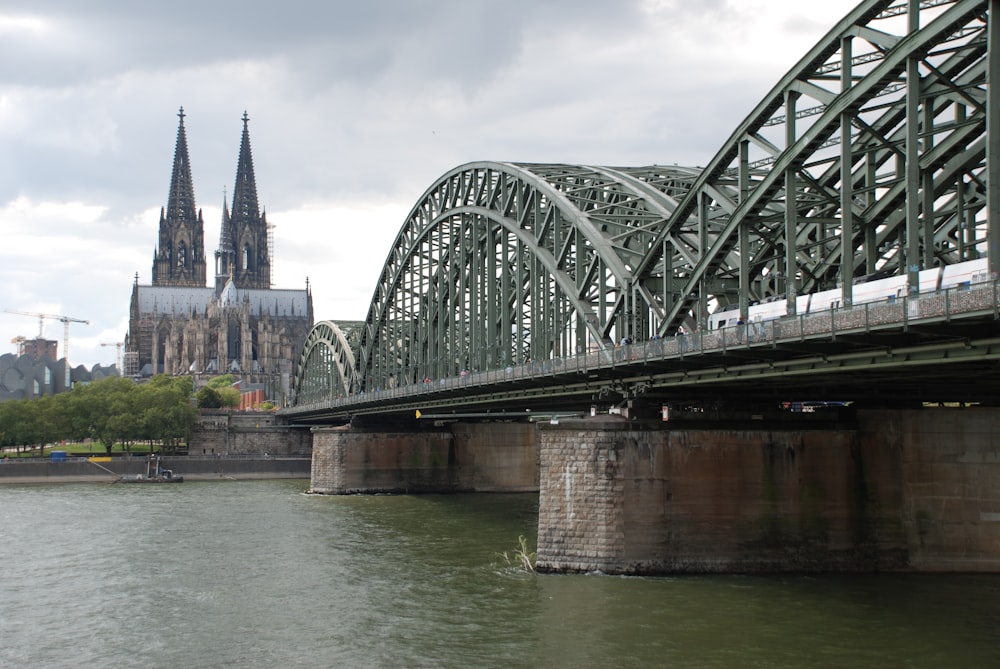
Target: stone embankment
<point>192,468</point>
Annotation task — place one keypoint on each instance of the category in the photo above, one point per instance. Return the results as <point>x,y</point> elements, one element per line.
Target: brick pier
<point>896,490</point>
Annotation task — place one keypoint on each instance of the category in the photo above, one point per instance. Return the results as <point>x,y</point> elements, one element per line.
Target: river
<point>259,574</point>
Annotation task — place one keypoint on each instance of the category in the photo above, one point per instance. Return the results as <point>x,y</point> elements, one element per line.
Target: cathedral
<point>241,325</point>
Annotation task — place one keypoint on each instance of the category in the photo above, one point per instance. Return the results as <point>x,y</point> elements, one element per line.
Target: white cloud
<point>20,25</point>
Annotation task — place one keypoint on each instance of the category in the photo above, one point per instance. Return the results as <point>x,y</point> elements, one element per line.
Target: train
<point>958,275</point>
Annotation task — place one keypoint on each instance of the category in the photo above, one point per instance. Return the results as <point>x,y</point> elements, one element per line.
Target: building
<point>37,348</point>
<point>24,377</point>
<point>241,325</point>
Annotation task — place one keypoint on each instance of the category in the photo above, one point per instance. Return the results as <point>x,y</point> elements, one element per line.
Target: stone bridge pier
<point>892,490</point>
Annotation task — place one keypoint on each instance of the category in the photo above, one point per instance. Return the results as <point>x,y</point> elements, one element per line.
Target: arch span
<point>325,368</point>
<point>501,262</point>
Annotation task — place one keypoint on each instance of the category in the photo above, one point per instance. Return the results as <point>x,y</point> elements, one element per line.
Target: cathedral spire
<point>180,202</point>
<point>179,259</point>
<point>247,228</point>
<point>225,236</point>
<point>245,207</point>
<point>225,255</point>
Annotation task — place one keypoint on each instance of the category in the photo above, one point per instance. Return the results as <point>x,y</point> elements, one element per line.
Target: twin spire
<point>245,193</point>
<point>180,202</point>
<point>243,239</point>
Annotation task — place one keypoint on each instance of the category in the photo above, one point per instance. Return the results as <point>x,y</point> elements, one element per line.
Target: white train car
<point>725,317</point>
<point>890,289</point>
<point>886,290</point>
<point>965,274</point>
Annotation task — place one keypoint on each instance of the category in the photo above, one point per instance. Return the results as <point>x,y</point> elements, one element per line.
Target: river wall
<point>889,490</point>
<point>192,468</point>
<point>223,445</point>
<point>220,432</point>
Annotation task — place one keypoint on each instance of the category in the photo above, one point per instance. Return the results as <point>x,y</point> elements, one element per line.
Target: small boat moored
<point>155,473</point>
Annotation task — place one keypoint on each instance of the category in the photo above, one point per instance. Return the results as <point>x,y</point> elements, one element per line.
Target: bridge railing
<point>942,305</point>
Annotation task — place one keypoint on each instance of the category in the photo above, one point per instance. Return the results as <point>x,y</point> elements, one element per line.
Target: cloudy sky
<point>355,108</point>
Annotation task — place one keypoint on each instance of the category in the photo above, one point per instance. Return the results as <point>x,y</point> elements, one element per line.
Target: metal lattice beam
<point>326,364</point>
<point>877,131</point>
<point>499,262</point>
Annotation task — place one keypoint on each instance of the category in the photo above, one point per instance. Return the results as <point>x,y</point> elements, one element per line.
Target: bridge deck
<point>937,347</point>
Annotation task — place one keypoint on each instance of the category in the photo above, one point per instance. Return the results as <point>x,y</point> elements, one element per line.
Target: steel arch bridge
<point>329,356</point>
<point>868,157</point>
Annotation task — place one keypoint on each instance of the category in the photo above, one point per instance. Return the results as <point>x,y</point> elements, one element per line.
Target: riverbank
<point>192,468</point>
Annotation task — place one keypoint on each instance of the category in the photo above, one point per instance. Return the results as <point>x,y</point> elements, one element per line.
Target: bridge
<point>868,159</point>
<point>840,247</point>
<point>939,347</point>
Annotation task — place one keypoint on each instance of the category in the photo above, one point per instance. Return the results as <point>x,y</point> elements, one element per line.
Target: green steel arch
<point>326,365</point>
<point>502,262</point>
<point>869,156</point>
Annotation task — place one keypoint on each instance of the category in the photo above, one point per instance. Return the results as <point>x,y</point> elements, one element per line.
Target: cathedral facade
<point>180,325</point>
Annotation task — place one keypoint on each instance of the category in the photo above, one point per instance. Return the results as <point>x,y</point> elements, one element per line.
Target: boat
<point>155,473</point>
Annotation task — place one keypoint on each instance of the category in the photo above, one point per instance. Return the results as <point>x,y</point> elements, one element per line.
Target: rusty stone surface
<point>247,433</point>
<point>950,465</point>
<point>481,457</point>
<point>899,490</point>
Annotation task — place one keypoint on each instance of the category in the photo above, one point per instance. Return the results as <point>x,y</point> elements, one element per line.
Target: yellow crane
<point>66,320</point>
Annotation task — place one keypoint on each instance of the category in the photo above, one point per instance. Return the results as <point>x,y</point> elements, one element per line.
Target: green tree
<point>7,417</point>
<point>221,381</point>
<point>113,410</point>
<point>19,423</point>
<point>125,421</point>
<point>167,414</point>
<point>218,393</point>
<point>208,398</point>
<point>58,415</point>
<point>97,406</point>
<point>230,397</point>
<point>45,420</point>
<point>28,423</point>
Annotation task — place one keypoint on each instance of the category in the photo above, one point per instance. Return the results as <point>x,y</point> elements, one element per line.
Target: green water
<point>258,574</point>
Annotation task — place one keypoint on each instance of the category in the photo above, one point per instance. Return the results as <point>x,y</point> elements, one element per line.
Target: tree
<point>96,409</point>
<point>113,410</point>
<point>218,393</point>
<point>29,422</point>
<point>167,412</point>
<point>45,420</point>
<point>230,397</point>
<point>221,381</point>
<point>125,422</point>
<point>208,398</point>
<point>18,421</point>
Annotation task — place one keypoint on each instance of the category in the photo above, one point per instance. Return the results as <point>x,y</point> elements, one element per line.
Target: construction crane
<point>118,359</point>
<point>66,320</point>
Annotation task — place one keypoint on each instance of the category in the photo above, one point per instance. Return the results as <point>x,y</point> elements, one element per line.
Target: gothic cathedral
<point>178,325</point>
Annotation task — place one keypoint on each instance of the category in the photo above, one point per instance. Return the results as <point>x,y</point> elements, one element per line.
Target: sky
<point>356,109</point>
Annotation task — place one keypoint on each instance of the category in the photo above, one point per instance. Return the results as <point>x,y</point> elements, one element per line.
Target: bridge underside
<point>867,160</point>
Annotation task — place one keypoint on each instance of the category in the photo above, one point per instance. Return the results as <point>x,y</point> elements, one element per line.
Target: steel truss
<point>326,365</point>
<point>868,157</point>
<point>880,134</point>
